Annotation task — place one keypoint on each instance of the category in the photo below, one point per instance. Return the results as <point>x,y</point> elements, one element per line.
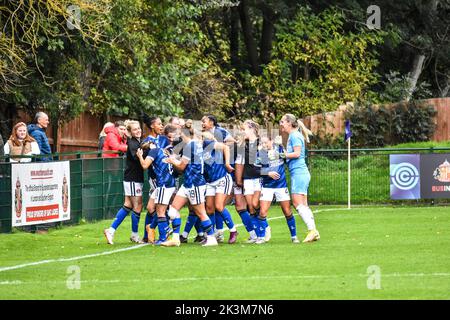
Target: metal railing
<point>370,182</point>
<point>96,187</point>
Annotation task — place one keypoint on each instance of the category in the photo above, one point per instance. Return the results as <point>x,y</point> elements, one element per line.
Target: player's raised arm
<point>178,164</point>
<point>145,163</point>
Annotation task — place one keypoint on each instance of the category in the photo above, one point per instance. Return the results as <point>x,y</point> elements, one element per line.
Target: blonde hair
<point>129,123</point>
<point>106,125</point>
<point>252,124</point>
<point>297,123</point>
<point>206,135</point>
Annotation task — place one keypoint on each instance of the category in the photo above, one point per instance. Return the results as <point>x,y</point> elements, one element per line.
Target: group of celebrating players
<point>207,169</point>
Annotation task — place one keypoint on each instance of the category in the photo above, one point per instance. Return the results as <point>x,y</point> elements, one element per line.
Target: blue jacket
<point>41,138</point>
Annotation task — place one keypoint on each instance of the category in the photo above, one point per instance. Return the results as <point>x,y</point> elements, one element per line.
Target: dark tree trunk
<point>267,34</point>
<point>210,32</point>
<point>234,36</point>
<point>250,44</point>
<point>429,11</point>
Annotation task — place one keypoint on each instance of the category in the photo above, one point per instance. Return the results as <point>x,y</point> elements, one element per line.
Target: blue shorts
<point>300,181</point>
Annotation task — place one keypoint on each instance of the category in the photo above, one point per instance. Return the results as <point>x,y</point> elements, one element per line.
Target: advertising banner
<point>435,175</point>
<point>404,176</point>
<point>40,192</point>
<point>419,176</point>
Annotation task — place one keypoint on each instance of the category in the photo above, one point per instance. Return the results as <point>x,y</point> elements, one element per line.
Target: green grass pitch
<point>409,246</point>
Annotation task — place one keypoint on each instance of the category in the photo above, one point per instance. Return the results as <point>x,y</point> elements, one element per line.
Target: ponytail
<point>297,123</point>
<point>304,130</point>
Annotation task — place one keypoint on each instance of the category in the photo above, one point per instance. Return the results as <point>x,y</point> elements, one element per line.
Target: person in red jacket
<point>116,139</point>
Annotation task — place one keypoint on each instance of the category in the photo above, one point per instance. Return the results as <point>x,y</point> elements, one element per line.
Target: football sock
<point>226,216</point>
<point>254,220</point>
<point>219,220</point>
<point>291,225</point>
<point>121,214</point>
<point>207,227</point>
<point>307,216</point>
<point>212,217</point>
<point>198,227</point>
<point>176,226</point>
<point>261,229</point>
<point>163,227</point>
<point>154,222</point>
<point>190,222</point>
<point>245,217</point>
<point>135,217</point>
<point>148,220</point>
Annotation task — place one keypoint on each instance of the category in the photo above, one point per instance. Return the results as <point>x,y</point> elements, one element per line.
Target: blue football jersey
<point>163,171</point>
<point>271,161</point>
<point>214,162</point>
<point>161,142</point>
<point>193,173</point>
<point>220,134</point>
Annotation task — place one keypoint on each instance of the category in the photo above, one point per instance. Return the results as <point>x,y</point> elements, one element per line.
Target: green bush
<point>380,126</point>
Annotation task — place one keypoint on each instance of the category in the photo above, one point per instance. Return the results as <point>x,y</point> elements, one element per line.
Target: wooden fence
<point>333,122</point>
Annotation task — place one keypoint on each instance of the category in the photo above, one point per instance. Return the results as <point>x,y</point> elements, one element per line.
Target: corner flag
<point>348,132</point>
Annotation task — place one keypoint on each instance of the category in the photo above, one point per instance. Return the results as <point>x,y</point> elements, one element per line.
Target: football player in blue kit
<point>193,188</point>
<point>221,135</point>
<point>273,184</point>
<point>216,156</point>
<point>165,183</point>
<point>157,138</point>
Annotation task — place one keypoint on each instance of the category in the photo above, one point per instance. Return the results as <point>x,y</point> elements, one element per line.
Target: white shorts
<point>222,186</point>
<point>236,189</point>
<point>152,183</point>
<point>162,195</point>
<point>133,189</point>
<point>196,195</point>
<point>281,194</point>
<point>251,186</point>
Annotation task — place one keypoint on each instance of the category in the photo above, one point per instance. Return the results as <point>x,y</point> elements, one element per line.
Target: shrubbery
<point>379,126</point>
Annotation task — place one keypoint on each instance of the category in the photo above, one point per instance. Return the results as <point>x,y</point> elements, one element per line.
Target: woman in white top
<point>21,143</point>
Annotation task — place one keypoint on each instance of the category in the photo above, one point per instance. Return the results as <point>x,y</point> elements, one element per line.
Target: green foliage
<point>316,67</point>
<point>153,56</point>
<point>411,122</point>
<point>396,88</point>
<point>180,58</point>
<point>374,126</point>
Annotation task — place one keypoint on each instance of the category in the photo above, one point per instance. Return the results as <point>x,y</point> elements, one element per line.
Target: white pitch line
<point>237,278</point>
<point>19,266</point>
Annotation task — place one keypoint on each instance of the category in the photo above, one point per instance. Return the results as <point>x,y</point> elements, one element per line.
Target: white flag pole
<point>349,172</point>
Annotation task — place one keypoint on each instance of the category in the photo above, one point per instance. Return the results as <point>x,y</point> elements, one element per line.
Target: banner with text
<point>420,176</point>
<point>40,192</point>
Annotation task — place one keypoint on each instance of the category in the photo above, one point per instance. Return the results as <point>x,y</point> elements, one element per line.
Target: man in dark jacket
<point>37,131</point>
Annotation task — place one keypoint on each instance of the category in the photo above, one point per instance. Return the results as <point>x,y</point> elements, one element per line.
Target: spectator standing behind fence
<point>21,143</point>
<point>37,131</point>
<point>102,135</point>
<point>116,139</point>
